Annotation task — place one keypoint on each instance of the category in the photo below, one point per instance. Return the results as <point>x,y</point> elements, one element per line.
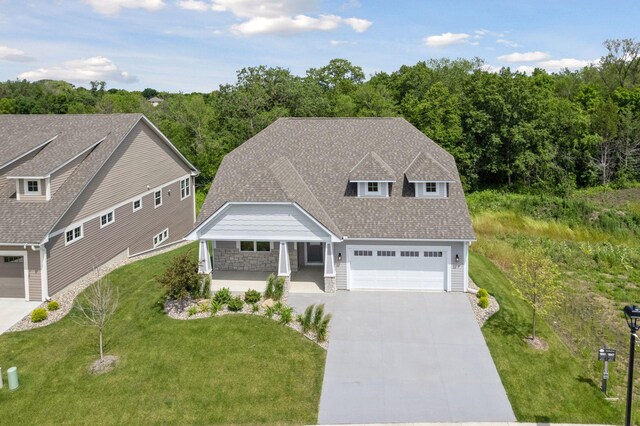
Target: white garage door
<point>398,268</point>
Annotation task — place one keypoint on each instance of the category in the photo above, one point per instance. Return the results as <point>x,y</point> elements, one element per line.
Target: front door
<point>314,253</point>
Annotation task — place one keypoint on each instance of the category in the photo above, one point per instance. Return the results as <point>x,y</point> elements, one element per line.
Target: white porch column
<point>284,266</point>
<point>204,261</point>
<point>329,265</point>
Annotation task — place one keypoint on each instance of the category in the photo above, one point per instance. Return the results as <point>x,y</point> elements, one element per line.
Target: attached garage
<point>13,274</point>
<point>399,268</point>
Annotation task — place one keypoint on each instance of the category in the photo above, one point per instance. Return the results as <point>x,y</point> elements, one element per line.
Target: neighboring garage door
<point>12,276</point>
<point>398,268</point>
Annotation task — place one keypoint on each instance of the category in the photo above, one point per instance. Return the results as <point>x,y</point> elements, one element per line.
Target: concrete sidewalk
<point>13,310</point>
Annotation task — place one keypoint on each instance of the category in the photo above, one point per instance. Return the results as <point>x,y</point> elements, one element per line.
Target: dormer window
<point>430,187</point>
<point>32,187</point>
<point>373,188</point>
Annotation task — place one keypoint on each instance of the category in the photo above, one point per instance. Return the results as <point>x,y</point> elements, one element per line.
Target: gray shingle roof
<point>321,154</point>
<point>425,168</point>
<point>371,168</point>
<point>28,222</point>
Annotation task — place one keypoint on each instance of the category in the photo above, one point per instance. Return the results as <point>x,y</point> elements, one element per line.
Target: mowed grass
<point>228,370</point>
<point>543,386</point>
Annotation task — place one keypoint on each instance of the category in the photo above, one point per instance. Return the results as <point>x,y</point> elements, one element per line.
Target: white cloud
<point>339,42</point>
<point>83,71</point>
<point>14,55</point>
<point>446,39</point>
<point>491,68</point>
<point>110,7</point>
<point>276,16</point>
<point>560,64</point>
<point>358,25</point>
<point>482,32</point>
<point>350,4</point>
<point>507,43</point>
<point>524,57</point>
<point>194,5</point>
<point>526,69</point>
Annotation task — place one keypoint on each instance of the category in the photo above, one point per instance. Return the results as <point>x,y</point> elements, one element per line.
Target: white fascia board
<point>434,181</point>
<point>442,240</point>
<point>372,180</point>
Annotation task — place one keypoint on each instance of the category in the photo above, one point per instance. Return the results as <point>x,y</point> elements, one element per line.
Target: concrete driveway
<point>13,310</point>
<point>406,357</point>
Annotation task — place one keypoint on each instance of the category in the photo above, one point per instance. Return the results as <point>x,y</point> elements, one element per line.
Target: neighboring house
<point>155,101</point>
<point>373,200</point>
<point>79,190</point>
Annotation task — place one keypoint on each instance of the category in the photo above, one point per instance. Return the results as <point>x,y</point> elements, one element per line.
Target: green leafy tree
<point>536,280</point>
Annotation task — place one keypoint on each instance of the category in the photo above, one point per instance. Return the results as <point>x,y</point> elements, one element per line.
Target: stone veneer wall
<point>232,259</point>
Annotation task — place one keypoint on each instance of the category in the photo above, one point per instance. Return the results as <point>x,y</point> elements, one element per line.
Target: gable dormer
<point>429,178</point>
<point>373,176</point>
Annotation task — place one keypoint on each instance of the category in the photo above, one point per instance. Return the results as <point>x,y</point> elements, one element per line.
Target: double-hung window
<point>107,219</point>
<point>185,188</point>
<point>73,235</point>
<point>157,198</point>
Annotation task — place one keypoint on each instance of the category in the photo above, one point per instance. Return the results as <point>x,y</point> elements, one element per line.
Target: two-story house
<point>78,190</point>
<point>373,201</point>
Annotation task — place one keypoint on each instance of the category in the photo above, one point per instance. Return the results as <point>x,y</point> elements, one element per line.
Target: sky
<point>197,45</point>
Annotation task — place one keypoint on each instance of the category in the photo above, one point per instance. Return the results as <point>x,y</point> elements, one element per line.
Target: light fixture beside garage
<point>457,259</point>
<point>339,257</point>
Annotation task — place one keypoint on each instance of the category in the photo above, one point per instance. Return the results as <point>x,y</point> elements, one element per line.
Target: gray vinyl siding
<point>143,161</point>
<point>130,230</point>
<point>341,267</point>
<point>262,222</point>
<point>58,178</point>
<point>35,284</point>
<point>41,196</point>
<point>457,247</point>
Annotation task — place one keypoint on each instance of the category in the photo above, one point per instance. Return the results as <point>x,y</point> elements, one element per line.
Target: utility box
<point>12,378</point>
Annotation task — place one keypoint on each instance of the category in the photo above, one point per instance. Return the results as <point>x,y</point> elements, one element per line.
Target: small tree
<point>181,278</point>
<point>97,306</point>
<point>537,282</point>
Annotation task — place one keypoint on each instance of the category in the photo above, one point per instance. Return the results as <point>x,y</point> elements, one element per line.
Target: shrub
<point>203,306</point>
<point>252,296</point>
<point>222,296</point>
<point>255,308</point>
<point>270,311</point>
<point>205,287</point>
<point>317,317</point>
<point>215,307</point>
<point>268,291</point>
<point>39,314</point>
<point>306,320</point>
<point>53,306</point>
<point>482,293</point>
<point>483,302</point>
<point>275,287</point>
<point>192,310</point>
<point>278,290</point>
<point>323,328</point>
<point>181,278</point>
<point>286,315</point>
<point>235,304</point>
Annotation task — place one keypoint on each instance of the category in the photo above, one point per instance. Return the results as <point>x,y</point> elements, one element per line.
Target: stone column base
<point>329,284</point>
<point>287,287</point>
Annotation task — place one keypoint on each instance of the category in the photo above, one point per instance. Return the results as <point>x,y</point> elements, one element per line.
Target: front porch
<point>307,280</point>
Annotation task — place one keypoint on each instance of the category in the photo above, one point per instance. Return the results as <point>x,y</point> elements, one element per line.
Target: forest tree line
<point>544,131</point>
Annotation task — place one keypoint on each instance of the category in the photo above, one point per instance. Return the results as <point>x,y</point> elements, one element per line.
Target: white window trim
<point>255,247</point>
<point>109,222</point>
<point>155,205</point>
<point>133,204</point>
<point>74,239</point>
<point>161,238</point>
<point>26,187</point>
<point>367,192</point>
<point>187,188</point>
<point>440,192</point>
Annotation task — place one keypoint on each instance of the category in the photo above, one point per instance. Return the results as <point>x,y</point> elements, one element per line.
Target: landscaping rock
<point>482,315</point>
<point>268,303</point>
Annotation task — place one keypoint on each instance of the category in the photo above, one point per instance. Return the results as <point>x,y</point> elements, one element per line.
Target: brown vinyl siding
<point>58,178</point>
<point>35,284</point>
<point>143,161</point>
<point>130,230</point>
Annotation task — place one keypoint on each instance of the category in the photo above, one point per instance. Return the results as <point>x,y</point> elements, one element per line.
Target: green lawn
<point>232,369</point>
<point>549,386</point>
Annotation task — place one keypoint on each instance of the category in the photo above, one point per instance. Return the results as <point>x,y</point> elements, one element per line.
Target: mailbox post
<point>632,315</point>
<point>607,355</point>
